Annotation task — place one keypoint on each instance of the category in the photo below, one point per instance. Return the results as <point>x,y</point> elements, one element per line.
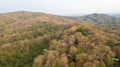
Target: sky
<point>61,7</point>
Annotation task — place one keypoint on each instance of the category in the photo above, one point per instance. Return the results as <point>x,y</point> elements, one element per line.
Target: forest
<point>29,39</point>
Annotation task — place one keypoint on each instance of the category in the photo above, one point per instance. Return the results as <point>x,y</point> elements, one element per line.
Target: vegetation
<point>42,40</point>
<point>84,31</point>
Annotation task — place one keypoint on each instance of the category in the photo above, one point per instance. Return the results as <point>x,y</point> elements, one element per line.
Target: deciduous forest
<point>32,39</point>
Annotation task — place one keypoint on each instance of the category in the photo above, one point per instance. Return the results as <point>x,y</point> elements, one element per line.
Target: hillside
<point>98,18</point>
<point>102,20</point>
<point>30,39</point>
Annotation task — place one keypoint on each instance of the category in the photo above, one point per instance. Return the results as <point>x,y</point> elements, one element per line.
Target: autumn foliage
<point>43,40</point>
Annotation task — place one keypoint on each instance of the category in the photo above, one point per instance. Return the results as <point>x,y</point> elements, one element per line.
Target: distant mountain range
<point>94,18</point>
<point>18,16</point>
<point>98,18</point>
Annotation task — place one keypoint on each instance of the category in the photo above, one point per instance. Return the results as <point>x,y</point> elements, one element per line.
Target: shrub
<point>84,31</point>
<point>72,64</point>
<point>80,51</point>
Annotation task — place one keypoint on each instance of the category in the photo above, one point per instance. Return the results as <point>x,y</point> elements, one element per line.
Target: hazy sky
<point>61,7</point>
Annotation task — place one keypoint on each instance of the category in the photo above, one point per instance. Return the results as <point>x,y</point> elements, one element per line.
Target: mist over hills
<point>35,39</point>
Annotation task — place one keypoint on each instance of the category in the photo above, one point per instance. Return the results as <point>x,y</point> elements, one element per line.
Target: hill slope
<point>98,18</point>
<point>47,40</point>
<point>103,20</point>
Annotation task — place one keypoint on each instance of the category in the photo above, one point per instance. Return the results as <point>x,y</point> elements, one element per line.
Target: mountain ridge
<point>98,18</point>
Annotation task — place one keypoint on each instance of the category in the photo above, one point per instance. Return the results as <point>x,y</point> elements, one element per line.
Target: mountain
<point>102,19</point>
<point>30,39</point>
<point>98,18</point>
<point>17,16</point>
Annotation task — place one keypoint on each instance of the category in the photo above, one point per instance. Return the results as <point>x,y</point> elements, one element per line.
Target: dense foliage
<point>42,40</point>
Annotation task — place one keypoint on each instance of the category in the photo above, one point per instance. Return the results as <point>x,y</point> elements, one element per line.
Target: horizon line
<point>80,14</point>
